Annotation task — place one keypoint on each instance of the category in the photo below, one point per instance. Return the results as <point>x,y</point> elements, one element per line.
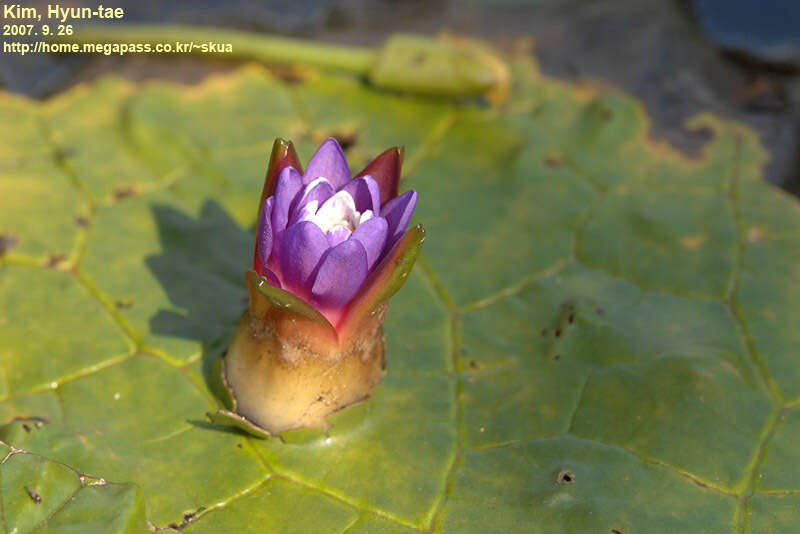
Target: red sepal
<point>386,171</point>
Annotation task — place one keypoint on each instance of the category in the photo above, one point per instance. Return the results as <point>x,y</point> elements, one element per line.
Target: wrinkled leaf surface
<point>600,335</point>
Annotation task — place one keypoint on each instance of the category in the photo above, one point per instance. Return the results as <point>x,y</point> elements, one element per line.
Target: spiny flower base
<point>282,385</point>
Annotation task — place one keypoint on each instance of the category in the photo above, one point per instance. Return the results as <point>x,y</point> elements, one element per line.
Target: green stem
<point>405,63</point>
<point>260,47</point>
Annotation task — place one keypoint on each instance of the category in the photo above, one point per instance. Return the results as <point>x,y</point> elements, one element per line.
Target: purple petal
<point>328,161</point>
<point>320,191</point>
<point>289,184</point>
<point>302,246</point>
<point>306,213</point>
<point>277,246</point>
<point>340,275</point>
<point>372,236</point>
<point>264,237</point>
<point>337,234</point>
<point>398,213</point>
<point>366,193</point>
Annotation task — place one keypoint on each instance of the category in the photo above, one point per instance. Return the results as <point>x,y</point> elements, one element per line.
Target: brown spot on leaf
<point>7,242</point>
<point>565,476</point>
<point>346,139</point>
<point>188,517</point>
<point>554,160</point>
<point>81,221</point>
<point>557,332</point>
<point>54,259</point>
<point>692,242</point>
<point>31,423</point>
<point>346,135</point>
<point>754,235</point>
<point>32,493</point>
<point>473,364</point>
<point>556,357</point>
<point>123,304</point>
<point>616,531</point>
<point>123,192</point>
<point>291,74</point>
<point>62,154</point>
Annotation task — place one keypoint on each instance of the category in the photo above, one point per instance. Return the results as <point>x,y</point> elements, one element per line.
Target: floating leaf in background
<point>599,336</point>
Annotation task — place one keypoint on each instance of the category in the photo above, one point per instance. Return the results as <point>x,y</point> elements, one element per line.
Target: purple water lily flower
<point>331,250</point>
<point>322,233</point>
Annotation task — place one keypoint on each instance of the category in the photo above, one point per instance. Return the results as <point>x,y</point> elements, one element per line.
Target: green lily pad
<point>42,495</point>
<point>598,335</point>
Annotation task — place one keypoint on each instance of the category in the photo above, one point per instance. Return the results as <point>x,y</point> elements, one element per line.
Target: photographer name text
<point>62,14</point>
<point>58,31</point>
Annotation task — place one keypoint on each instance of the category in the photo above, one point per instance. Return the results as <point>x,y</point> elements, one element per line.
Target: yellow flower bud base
<point>283,382</point>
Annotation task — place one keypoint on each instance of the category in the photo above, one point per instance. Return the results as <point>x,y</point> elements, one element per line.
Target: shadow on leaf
<point>202,270</point>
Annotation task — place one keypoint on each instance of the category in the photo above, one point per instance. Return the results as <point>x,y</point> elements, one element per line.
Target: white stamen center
<point>339,211</point>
